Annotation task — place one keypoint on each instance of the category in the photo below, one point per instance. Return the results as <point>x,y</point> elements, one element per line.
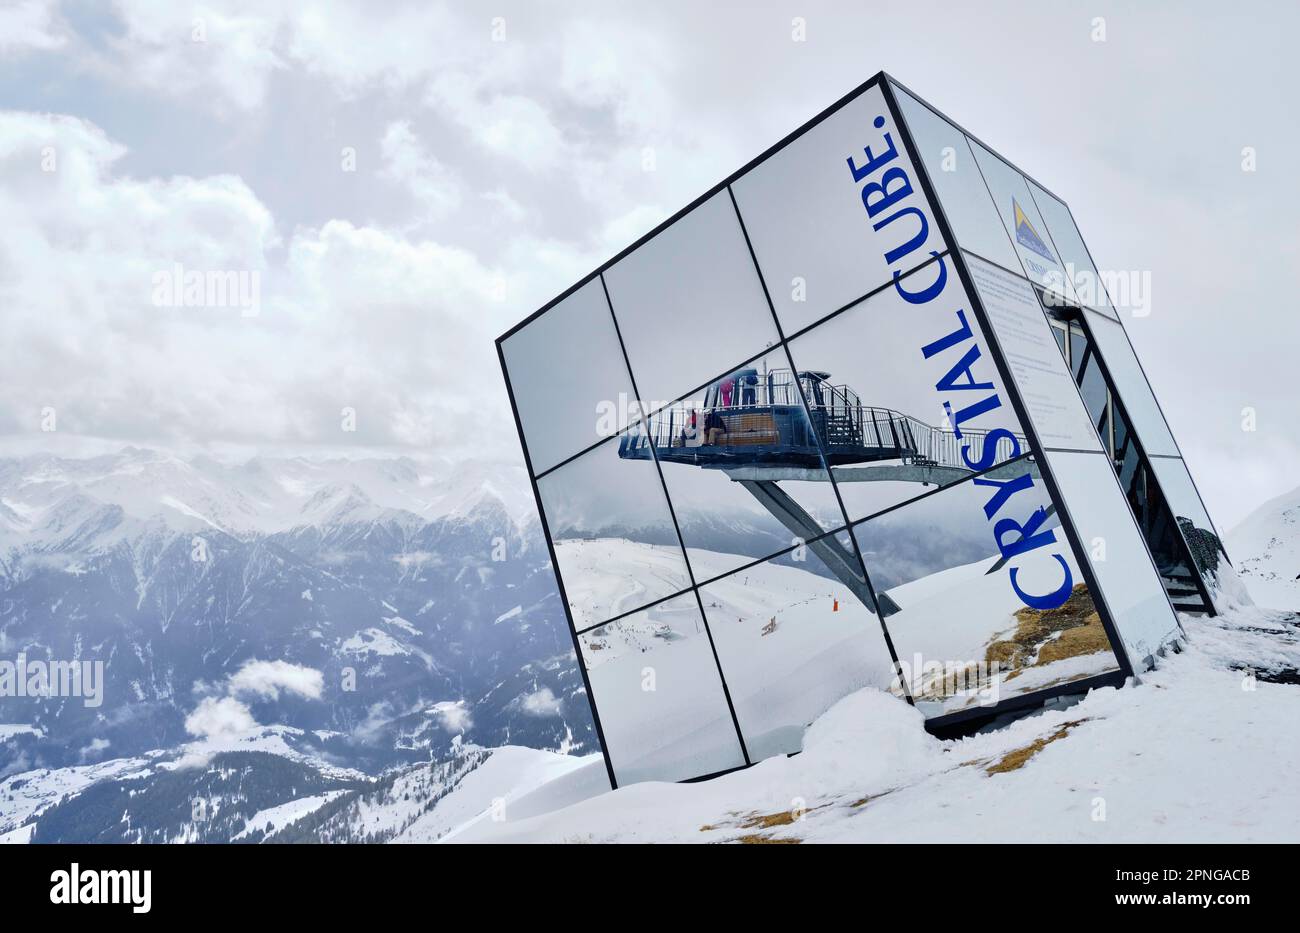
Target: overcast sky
<point>409,179</point>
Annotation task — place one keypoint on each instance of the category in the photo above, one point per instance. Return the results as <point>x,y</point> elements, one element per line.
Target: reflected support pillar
<point>840,562</point>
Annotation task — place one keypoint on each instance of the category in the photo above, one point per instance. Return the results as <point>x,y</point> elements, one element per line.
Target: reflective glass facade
<point>818,433</point>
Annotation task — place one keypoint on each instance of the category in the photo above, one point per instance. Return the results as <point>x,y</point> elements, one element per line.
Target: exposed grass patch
<point>1014,760</point>
<point>756,839</point>
<point>756,820</point>
<point>768,820</point>
<point>1042,636</point>
<point>1088,638</point>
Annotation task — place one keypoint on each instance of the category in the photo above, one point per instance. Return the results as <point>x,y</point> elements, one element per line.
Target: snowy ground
<point>1201,750</point>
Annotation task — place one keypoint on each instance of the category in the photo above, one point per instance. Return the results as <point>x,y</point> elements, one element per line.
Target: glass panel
<point>1078,346</point>
<point>824,239</point>
<point>895,421</point>
<point>1091,382</point>
<point>743,468</point>
<point>983,595</point>
<point>1079,269</point>
<point>792,640</point>
<point>1155,521</point>
<point>613,534</point>
<point>1194,522</point>
<point>1060,336</point>
<point>1131,385</point>
<point>689,303</point>
<point>1132,589</point>
<point>1160,529</point>
<point>1025,226</point>
<point>957,182</point>
<point>656,688</point>
<point>1032,353</point>
<point>569,378</point>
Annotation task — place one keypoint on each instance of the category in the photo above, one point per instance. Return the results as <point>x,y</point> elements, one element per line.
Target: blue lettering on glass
<point>891,189</point>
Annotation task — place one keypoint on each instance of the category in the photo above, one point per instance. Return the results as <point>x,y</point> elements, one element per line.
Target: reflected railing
<point>766,410</point>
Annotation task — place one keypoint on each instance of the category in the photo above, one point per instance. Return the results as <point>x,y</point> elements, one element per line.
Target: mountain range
<point>385,607</point>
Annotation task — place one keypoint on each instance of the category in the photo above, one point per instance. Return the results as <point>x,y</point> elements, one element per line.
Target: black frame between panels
<point>952,723</point>
<point>681,542</point>
<point>821,447</point>
<point>550,550</point>
<point>766,351</point>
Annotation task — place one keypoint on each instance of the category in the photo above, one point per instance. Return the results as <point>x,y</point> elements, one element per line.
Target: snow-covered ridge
<point>48,497</point>
<point>1265,548</point>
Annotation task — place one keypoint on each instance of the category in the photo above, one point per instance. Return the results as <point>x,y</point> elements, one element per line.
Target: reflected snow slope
<point>990,644</point>
<point>792,640</point>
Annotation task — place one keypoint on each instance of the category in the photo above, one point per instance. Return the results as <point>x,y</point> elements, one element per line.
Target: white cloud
<point>512,126</point>
<point>192,761</point>
<point>81,246</point>
<point>219,717</point>
<point>453,715</point>
<point>94,749</point>
<point>221,49</point>
<point>501,200</point>
<point>408,163</point>
<point>543,702</point>
<point>229,50</point>
<point>31,25</point>
<point>628,73</point>
<point>222,716</point>
<point>266,679</point>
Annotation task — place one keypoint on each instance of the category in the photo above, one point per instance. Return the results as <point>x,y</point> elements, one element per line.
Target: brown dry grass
<point>768,820</point>
<point>1075,624</point>
<point>756,820</point>
<point>1018,758</point>
<point>1088,638</point>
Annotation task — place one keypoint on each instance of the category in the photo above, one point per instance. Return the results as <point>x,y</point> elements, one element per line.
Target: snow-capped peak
<point>47,495</point>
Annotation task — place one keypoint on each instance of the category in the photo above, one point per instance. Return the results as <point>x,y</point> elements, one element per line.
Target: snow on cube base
<point>862,416</point>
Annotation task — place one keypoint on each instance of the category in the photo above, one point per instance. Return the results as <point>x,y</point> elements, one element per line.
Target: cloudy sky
<point>409,179</point>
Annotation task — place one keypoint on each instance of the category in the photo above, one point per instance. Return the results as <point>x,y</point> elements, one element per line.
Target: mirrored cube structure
<point>863,415</point>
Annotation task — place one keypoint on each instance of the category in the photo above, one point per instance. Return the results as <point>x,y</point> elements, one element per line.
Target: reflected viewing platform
<point>752,424</point>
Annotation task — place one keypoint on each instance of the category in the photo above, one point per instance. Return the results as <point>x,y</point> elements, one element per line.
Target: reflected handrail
<point>758,418</point>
